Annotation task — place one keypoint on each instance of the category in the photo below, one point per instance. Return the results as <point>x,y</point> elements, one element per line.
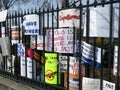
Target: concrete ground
<point>7,84</point>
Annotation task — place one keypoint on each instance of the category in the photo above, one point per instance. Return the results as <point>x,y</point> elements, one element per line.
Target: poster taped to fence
<point>63,40</point>
<point>3,15</point>
<point>69,18</point>
<point>31,24</point>
<point>63,63</point>
<point>88,54</point>
<point>51,72</point>
<point>94,84</point>
<point>115,63</point>
<point>22,66</point>
<point>99,25</point>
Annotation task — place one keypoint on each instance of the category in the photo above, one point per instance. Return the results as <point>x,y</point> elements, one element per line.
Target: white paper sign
<point>115,63</point>
<point>3,15</point>
<point>69,18</point>
<point>100,22</point>
<point>37,40</point>
<point>88,54</point>
<point>94,84</point>
<point>22,66</point>
<point>63,40</point>
<point>63,63</point>
<point>31,24</point>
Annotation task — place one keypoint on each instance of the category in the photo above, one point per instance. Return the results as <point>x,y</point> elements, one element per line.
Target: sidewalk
<point>7,84</point>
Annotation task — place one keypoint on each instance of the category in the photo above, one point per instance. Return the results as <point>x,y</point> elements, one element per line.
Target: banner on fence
<point>51,72</point>
<point>3,15</point>
<point>94,84</point>
<point>115,63</point>
<point>69,18</point>
<point>31,24</point>
<point>63,63</point>
<point>100,23</point>
<point>22,66</point>
<point>88,54</point>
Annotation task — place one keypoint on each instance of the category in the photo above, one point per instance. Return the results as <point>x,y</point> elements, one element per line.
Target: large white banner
<point>99,25</point>
<point>69,18</point>
<point>94,84</point>
<point>31,24</point>
<point>88,54</point>
<point>3,15</point>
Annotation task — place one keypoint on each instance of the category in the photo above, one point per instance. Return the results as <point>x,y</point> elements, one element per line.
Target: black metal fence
<point>73,48</point>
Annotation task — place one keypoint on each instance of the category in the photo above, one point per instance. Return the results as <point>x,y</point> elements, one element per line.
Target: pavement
<point>7,84</point>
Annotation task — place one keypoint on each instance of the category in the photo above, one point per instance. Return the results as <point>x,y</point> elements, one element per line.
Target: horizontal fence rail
<point>75,48</point>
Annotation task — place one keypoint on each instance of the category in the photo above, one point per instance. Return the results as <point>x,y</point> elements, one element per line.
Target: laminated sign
<point>69,18</point>
<point>88,54</point>
<point>94,84</point>
<point>31,24</point>
<point>51,68</point>
<point>100,22</point>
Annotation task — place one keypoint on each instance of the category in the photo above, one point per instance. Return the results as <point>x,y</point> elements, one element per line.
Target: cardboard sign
<point>51,68</point>
<point>69,18</point>
<point>100,22</point>
<point>94,84</point>
<point>31,24</point>
<point>3,15</point>
<point>88,54</point>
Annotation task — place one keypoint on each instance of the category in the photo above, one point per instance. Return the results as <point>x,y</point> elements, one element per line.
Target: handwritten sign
<point>51,68</point>
<point>31,24</point>
<point>94,84</point>
<point>115,63</point>
<point>63,63</point>
<point>100,23</point>
<point>88,54</point>
<point>69,18</point>
<point>3,15</point>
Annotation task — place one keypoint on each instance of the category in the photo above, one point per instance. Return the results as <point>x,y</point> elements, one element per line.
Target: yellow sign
<point>51,68</point>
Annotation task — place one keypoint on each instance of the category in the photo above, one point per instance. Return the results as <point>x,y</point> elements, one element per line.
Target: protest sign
<point>74,75</point>
<point>37,42</point>
<point>20,50</point>
<point>51,73</point>
<point>88,54</point>
<point>63,40</point>
<point>94,84</point>
<point>3,15</point>
<point>31,24</point>
<point>31,68</point>
<point>115,63</point>
<point>100,22</point>
<point>69,18</point>
<point>22,66</point>
<point>63,63</point>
